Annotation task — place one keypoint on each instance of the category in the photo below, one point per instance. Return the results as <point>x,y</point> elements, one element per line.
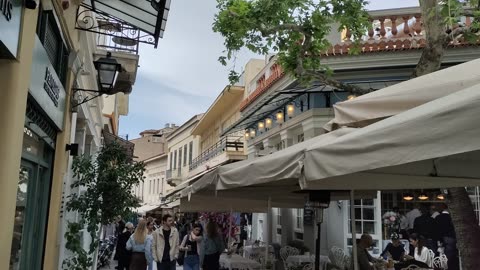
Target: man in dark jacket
<point>446,232</point>
<point>425,225</point>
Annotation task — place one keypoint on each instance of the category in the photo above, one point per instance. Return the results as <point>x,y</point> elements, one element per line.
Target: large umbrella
<point>403,96</point>
<point>435,145</point>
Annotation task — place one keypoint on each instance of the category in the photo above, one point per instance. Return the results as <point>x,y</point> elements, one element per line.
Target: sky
<point>182,77</point>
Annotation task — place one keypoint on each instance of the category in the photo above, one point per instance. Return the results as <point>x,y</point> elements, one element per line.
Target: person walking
<point>121,252</point>
<point>212,248</point>
<point>447,236</point>
<point>151,229</point>
<point>191,245</point>
<point>140,243</point>
<point>165,246</point>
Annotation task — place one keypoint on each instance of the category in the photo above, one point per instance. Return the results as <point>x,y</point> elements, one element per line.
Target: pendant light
<point>247,134</point>
<point>252,133</point>
<point>261,126</point>
<point>408,196</point>
<point>423,196</point>
<point>441,196</point>
<point>290,110</point>
<point>268,122</point>
<point>350,97</point>
<point>279,117</point>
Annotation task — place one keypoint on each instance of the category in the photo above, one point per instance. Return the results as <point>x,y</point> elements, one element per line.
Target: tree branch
<point>266,31</point>
<point>353,89</point>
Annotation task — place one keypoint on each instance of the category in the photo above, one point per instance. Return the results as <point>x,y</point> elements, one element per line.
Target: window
<point>175,159</point>
<point>367,220</point>
<point>49,34</point>
<point>300,137</point>
<point>185,155</point>
<point>278,212</point>
<point>150,187</point>
<point>298,233</point>
<point>180,158</point>
<point>190,153</point>
<point>171,160</point>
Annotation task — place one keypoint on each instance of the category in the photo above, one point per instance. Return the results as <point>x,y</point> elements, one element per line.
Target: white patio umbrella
<point>372,107</point>
<point>434,145</point>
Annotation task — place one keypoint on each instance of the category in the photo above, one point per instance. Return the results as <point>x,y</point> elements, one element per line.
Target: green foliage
<point>105,183</point>
<point>297,30</point>
<point>294,29</point>
<point>300,245</point>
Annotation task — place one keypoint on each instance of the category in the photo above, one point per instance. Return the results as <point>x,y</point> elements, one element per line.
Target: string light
<point>279,117</point>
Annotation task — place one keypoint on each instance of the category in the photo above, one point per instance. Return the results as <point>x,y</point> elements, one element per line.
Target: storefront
<point>43,121</point>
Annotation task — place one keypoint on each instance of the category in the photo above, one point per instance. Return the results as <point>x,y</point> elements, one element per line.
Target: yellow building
<point>50,54</point>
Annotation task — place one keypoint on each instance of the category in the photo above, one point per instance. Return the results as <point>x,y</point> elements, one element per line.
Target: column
<point>287,225</point>
<point>287,138</point>
<point>313,127</point>
<point>15,78</point>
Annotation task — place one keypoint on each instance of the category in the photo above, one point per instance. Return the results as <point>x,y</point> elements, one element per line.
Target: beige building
<point>54,108</point>
<point>182,148</point>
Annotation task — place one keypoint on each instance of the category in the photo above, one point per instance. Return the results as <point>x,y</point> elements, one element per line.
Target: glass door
<point>33,198</point>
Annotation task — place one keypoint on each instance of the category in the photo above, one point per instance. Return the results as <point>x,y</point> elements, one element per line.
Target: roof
<point>156,157</point>
<point>225,99</point>
<point>185,125</point>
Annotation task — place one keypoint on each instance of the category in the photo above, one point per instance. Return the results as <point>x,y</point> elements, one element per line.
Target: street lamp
<point>108,69</point>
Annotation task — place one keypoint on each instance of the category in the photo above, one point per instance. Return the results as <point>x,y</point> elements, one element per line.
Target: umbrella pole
<point>269,225</point>
<point>354,233</point>
<point>317,244</point>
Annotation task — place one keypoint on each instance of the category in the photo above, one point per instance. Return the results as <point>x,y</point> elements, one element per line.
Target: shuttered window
<point>49,34</point>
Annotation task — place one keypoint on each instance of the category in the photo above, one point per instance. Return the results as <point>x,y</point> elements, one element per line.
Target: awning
<point>403,96</point>
<point>270,104</point>
<point>145,208</point>
<point>435,145</point>
<point>147,16</point>
<point>188,182</point>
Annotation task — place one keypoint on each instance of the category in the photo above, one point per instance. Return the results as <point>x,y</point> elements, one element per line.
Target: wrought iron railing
<point>227,143</point>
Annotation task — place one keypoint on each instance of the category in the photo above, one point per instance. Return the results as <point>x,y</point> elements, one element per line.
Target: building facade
<point>47,62</point>
<point>277,112</point>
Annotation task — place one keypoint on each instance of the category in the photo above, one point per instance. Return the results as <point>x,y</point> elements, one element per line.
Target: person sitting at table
<point>421,256</point>
<point>395,249</point>
<point>364,259</point>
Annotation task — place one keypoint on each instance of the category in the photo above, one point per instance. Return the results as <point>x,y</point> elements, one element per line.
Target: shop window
<point>49,34</point>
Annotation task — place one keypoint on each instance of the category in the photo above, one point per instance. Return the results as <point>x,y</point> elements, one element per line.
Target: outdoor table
<point>301,259</point>
<point>235,261</point>
<point>256,249</point>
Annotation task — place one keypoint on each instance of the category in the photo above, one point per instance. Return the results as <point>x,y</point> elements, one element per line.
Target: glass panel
<point>25,176</point>
<point>338,97</point>
<point>358,213</point>
<point>368,214</point>
<point>369,227</point>
<point>318,100</point>
<point>368,202</point>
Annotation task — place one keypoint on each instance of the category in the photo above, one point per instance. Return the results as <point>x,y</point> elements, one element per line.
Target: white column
<point>287,137</point>
<point>312,127</point>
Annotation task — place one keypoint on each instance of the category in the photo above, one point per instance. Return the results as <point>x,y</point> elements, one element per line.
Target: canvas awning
<point>148,16</point>
<point>375,106</point>
<point>145,208</point>
<point>435,145</point>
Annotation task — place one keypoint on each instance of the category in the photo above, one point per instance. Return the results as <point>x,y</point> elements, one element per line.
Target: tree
<point>105,191</point>
<point>297,31</point>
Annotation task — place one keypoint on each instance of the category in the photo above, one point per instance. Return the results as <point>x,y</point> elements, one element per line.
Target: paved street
<point>113,263</point>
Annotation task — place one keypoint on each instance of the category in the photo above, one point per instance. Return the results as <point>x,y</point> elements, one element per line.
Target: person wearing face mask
<point>191,245</point>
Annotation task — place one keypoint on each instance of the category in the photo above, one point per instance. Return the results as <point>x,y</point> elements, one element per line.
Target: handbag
<point>181,258</point>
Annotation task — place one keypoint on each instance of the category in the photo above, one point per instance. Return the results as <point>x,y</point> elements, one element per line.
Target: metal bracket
<point>76,103</point>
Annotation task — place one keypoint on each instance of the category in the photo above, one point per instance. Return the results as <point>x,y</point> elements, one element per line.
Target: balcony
<point>228,148</point>
<point>390,30</point>
<point>174,177</point>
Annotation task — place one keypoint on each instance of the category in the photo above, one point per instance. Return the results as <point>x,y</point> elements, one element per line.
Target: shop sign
<point>308,214</point>
<point>46,87</point>
<point>10,21</point>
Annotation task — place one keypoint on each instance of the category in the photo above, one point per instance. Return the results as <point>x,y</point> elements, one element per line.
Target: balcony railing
<point>228,143</point>
<point>396,29</point>
<point>173,174</point>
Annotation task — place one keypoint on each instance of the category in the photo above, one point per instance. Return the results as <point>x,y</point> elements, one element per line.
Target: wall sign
<point>51,87</point>
<point>308,214</point>
<point>10,20</point>
<point>45,86</point>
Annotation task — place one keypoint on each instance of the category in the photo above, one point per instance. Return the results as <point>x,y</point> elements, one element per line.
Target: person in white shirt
<point>421,257</point>
<point>412,215</point>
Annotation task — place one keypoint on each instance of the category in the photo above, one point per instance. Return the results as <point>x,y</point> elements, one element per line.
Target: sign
<point>10,22</point>
<point>308,214</point>
<point>50,86</point>
<point>45,86</point>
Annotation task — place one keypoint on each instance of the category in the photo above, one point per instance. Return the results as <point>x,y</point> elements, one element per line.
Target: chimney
<point>167,125</point>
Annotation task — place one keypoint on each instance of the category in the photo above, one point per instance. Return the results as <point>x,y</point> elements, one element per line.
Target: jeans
<point>171,265</point>
<point>150,266</point>
<point>191,262</point>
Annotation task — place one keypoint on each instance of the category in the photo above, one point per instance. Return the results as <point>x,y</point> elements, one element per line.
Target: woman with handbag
<point>191,247</point>
<point>140,243</point>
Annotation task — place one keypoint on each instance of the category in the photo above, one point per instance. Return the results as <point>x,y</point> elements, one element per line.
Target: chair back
<point>286,252</point>
<point>338,258</point>
<point>440,262</point>
<point>431,256</point>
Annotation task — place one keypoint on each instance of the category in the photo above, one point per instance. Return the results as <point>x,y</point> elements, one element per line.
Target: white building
<point>277,112</point>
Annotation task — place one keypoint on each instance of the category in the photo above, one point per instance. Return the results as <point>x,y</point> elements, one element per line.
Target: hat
<point>394,236</point>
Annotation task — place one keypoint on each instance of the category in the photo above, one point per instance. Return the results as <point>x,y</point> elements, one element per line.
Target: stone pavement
<point>113,263</point>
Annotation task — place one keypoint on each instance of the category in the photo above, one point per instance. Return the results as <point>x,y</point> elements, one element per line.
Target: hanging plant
<point>105,184</point>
